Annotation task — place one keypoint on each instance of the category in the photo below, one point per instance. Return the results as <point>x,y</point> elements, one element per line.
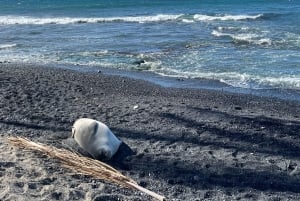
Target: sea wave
<point>186,18</point>
<point>199,17</point>
<point>259,82</point>
<point>220,28</point>
<point>236,79</point>
<point>288,82</point>
<point>6,46</point>
<point>149,63</point>
<point>248,38</point>
<point>8,20</point>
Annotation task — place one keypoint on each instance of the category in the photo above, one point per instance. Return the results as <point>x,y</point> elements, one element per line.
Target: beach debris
<point>135,107</point>
<point>83,165</point>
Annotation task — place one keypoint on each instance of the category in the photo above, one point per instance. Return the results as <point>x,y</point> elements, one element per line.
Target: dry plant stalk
<point>83,165</point>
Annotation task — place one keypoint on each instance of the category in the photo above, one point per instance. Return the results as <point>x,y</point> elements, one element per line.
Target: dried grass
<point>83,165</point>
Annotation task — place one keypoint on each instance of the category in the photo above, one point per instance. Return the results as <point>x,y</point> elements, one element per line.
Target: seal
<point>95,138</point>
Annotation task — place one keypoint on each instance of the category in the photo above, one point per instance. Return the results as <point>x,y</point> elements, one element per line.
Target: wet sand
<point>182,143</point>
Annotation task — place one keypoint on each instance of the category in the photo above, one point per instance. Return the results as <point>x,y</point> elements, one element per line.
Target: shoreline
<point>178,82</point>
<point>186,144</point>
<point>190,83</point>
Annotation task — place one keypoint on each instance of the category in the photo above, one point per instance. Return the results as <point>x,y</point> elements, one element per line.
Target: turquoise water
<point>245,44</point>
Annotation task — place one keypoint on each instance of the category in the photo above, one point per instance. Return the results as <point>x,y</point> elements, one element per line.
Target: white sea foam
<point>236,79</point>
<point>6,46</point>
<point>244,38</point>
<point>199,17</point>
<point>234,28</point>
<point>92,53</point>
<point>155,18</point>
<point>260,82</point>
<point>8,20</point>
<point>25,58</point>
<point>219,34</point>
<point>288,82</point>
<point>68,20</point>
<point>263,41</point>
<point>188,21</point>
<point>240,37</point>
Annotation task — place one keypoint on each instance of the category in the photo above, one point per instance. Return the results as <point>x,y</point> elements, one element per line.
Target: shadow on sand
<point>192,174</point>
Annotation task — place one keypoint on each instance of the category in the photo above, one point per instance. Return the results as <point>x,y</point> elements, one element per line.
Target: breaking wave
<point>248,38</point>
<point>6,46</point>
<point>198,17</point>
<point>240,80</point>
<point>68,20</point>
<point>13,20</point>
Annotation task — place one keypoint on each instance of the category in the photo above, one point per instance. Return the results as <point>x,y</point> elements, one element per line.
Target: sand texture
<point>184,144</point>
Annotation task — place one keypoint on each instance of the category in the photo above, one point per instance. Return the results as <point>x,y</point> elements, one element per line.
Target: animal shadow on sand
<point>117,161</point>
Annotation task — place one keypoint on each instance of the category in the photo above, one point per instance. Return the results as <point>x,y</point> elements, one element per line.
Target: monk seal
<point>95,138</point>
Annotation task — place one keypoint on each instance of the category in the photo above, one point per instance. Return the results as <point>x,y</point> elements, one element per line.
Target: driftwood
<point>83,165</point>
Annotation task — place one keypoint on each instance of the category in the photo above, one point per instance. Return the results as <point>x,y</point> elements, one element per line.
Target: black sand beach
<point>182,143</point>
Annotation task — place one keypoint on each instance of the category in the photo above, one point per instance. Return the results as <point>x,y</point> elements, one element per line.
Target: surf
<point>7,46</point>
<point>25,20</point>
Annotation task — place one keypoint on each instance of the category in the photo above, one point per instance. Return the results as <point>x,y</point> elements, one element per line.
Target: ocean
<point>251,46</point>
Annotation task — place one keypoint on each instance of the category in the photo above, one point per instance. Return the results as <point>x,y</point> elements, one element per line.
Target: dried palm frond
<point>83,165</point>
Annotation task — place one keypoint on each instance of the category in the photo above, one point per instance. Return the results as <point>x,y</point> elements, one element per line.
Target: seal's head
<point>95,138</point>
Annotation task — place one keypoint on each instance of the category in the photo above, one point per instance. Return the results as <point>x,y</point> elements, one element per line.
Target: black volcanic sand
<point>182,143</point>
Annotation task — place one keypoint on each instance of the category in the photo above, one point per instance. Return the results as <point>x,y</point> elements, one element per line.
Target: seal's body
<point>95,138</point>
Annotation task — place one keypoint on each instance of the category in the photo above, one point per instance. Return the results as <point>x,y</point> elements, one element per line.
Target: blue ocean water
<point>252,44</point>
